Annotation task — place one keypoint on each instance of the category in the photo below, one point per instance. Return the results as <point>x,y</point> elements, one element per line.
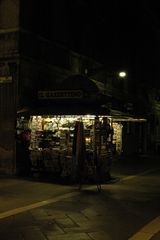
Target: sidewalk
<point>112,214</point>
<point>87,216</point>
<point>156,236</point>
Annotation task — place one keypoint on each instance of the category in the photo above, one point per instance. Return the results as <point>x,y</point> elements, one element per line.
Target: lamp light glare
<point>122,74</point>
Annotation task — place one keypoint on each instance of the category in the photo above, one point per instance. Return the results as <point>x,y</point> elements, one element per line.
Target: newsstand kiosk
<point>67,127</point>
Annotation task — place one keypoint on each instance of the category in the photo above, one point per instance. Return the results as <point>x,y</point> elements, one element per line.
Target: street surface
<point>128,209</point>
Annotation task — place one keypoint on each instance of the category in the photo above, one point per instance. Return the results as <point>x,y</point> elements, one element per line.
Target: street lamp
<point>122,74</point>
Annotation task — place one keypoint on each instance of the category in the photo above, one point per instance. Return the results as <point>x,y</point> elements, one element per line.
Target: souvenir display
<point>55,141</point>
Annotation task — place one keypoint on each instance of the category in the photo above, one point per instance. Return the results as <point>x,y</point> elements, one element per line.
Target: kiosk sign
<point>60,94</point>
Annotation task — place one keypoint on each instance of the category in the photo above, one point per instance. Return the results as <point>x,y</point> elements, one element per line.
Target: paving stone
<point>6,223</point>
<point>24,219</point>
<point>40,213</point>
<point>141,236</point>
<point>50,226</point>
<point>33,233</point>
<point>11,236</point>
<point>156,236</point>
<point>54,234</point>
<point>75,216</point>
<point>45,223</point>
<point>90,212</point>
<point>76,201</point>
<point>79,229</point>
<point>65,222</point>
<point>71,236</point>
<point>69,206</point>
<point>99,236</point>
<point>92,225</point>
<point>55,214</point>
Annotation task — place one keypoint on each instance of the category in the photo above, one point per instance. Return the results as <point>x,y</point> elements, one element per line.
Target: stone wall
<point>8,101</point>
<point>9,14</point>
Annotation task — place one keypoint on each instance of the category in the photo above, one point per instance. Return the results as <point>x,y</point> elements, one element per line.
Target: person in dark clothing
<point>106,163</point>
<point>23,153</point>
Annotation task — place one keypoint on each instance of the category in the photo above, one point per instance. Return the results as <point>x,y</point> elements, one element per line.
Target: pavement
<point>156,236</point>
<point>82,215</point>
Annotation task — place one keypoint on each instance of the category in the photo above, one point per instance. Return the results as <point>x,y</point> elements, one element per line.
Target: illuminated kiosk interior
<point>52,122</point>
<point>51,146</point>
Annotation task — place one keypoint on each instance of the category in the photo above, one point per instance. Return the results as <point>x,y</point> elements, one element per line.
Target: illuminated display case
<point>52,137</point>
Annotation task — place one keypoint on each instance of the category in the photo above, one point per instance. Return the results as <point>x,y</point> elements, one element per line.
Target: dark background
<point>120,34</point>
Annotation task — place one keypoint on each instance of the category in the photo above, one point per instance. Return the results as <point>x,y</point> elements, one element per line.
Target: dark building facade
<point>32,64</point>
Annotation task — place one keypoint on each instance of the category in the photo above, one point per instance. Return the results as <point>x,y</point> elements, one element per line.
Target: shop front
<point>67,126</point>
<point>59,143</point>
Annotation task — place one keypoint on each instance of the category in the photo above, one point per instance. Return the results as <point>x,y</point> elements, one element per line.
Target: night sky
<point>120,34</point>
